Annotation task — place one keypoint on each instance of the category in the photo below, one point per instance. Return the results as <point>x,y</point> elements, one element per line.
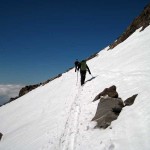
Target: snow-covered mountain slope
<point>58,116</point>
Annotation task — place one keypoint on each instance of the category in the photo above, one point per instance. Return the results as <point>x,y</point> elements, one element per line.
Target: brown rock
<point>111,92</point>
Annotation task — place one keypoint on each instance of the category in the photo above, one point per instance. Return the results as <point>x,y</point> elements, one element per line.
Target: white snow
<point>58,116</point>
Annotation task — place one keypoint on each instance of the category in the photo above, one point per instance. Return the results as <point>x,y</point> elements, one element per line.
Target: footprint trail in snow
<point>68,138</point>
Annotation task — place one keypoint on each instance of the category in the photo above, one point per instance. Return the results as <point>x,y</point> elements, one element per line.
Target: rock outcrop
<point>29,88</point>
<point>111,92</point>
<point>110,106</point>
<point>143,20</point>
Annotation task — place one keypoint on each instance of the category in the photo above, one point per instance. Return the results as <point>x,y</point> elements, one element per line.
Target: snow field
<point>58,116</point>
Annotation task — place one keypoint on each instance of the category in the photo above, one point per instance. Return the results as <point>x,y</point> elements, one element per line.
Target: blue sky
<point>41,38</point>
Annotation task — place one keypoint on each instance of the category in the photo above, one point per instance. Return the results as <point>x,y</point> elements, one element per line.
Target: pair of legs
<point>83,75</point>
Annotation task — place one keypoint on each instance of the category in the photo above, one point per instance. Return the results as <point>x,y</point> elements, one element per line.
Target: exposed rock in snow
<point>29,88</point>
<point>130,100</point>
<point>108,110</point>
<point>111,92</point>
<point>110,106</point>
<point>143,20</point>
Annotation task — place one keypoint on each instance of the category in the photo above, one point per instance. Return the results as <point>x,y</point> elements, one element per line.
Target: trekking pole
<point>92,75</point>
<point>77,78</point>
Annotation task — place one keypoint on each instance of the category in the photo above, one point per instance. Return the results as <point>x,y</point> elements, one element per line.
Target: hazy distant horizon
<point>8,91</point>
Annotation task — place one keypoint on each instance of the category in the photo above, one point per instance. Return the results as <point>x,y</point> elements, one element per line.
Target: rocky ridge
<point>143,20</point>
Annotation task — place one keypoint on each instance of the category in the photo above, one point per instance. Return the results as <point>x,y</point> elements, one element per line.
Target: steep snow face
<point>58,116</point>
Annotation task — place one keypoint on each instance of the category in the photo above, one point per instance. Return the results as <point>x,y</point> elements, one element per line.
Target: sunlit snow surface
<point>58,116</point>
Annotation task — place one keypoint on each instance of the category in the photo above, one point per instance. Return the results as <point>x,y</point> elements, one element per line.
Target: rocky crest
<point>29,88</point>
<point>143,20</point>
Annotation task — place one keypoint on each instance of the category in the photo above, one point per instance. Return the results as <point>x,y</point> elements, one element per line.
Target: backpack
<point>83,65</point>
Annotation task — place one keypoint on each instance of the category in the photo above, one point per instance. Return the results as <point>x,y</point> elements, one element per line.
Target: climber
<point>83,68</point>
<point>76,63</point>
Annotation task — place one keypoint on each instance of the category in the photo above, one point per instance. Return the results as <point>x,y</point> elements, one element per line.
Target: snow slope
<point>58,116</point>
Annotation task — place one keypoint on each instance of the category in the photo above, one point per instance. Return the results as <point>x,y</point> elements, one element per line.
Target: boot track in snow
<point>68,138</point>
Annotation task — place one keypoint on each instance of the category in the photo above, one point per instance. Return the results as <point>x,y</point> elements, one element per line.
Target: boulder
<point>110,106</point>
<point>108,110</point>
<point>111,92</point>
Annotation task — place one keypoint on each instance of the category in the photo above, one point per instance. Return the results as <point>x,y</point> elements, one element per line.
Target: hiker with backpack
<point>76,63</point>
<point>83,68</point>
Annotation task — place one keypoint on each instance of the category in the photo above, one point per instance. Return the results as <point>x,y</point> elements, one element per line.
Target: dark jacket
<point>87,68</point>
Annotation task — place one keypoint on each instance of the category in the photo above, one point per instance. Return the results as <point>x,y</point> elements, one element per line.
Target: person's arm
<point>88,69</point>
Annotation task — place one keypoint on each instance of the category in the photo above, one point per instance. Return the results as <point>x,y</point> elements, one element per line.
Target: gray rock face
<point>1,136</point>
<point>110,106</point>
<point>108,110</point>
